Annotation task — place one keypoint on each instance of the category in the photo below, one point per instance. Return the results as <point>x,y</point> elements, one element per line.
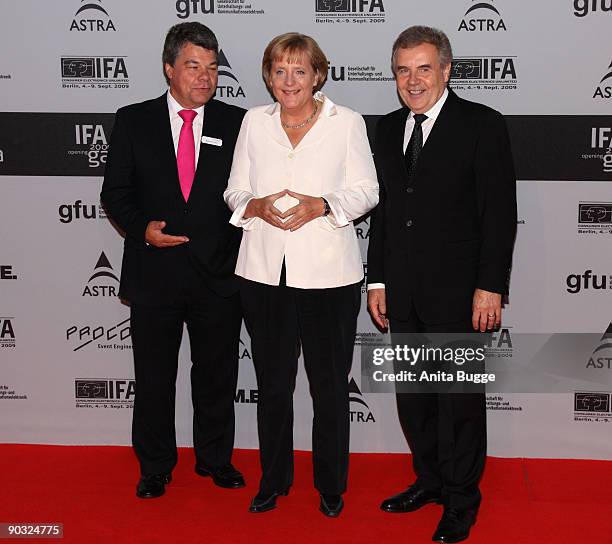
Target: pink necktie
<point>185,154</point>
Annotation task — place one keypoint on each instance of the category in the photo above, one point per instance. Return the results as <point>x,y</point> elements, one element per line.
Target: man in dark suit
<point>438,261</point>
<point>168,166</point>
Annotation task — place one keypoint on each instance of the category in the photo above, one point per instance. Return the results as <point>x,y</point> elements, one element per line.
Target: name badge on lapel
<point>212,141</point>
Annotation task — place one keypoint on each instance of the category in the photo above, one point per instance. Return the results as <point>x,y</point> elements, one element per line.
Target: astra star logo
<point>482,17</point>
<point>228,89</point>
<point>91,17</point>
<point>362,412</point>
<point>604,89</point>
<point>602,354</point>
<point>98,283</point>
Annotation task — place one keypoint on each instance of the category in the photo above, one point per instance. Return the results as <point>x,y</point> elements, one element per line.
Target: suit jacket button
<point>409,223</point>
<point>409,190</point>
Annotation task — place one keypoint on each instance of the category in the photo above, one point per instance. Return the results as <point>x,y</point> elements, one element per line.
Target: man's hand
<point>486,310</point>
<point>155,237</point>
<point>377,306</point>
<point>309,208</point>
<point>265,209</point>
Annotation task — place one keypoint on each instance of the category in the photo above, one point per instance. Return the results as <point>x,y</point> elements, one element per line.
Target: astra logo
<point>229,89</point>
<point>103,269</point>
<point>482,17</point>
<point>362,229</point>
<point>588,280</point>
<point>361,413</point>
<point>604,89</point>
<point>602,354</point>
<point>243,351</point>
<point>92,17</point>
<point>78,210</point>
<point>184,8</point>
<point>583,7</point>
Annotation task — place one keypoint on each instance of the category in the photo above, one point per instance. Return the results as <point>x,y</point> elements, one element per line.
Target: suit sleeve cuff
<point>376,286</point>
<point>237,218</point>
<point>337,218</point>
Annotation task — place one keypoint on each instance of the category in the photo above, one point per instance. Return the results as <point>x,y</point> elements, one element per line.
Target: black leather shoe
<point>262,502</point>
<point>410,500</point>
<point>152,486</point>
<point>455,525</point>
<point>331,505</point>
<point>226,476</point>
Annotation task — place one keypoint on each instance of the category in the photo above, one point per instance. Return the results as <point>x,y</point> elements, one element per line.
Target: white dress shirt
<point>427,125</point>
<point>176,123</point>
<point>334,161</point>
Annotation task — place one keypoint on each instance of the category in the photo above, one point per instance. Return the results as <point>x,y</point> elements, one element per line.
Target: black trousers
<point>323,322</point>
<point>213,324</point>
<point>446,432</point>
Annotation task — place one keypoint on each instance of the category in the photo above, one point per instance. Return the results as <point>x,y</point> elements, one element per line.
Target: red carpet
<point>91,491</point>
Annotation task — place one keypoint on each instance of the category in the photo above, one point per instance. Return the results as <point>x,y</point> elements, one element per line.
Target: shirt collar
<point>174,107</point>
<point>328,109</point>
<point>434,111</point>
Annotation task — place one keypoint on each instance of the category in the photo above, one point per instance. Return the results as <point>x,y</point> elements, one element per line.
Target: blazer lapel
<point>161,137</point>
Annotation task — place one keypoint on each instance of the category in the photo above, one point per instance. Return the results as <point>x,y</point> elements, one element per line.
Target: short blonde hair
<point>293,46</point>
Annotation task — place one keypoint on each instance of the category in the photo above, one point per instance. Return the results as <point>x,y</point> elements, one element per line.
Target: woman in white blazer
<point>302,172</point>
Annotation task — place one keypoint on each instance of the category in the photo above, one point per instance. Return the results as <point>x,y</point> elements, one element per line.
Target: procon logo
<point>107,337</point>
<point>482,17</point>
<point>361,413</point>
<point>91,17</point>
<point>602,354</point>
<point>97,284</point>
<point>583,7</point>
<point>604,89</point>
<point>78,210</point>
<point>588,280</point>
<point>7,332</point>
<point>229,89</point>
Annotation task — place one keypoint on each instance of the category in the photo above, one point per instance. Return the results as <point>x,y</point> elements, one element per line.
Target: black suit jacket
<point>141,184</point>
<point>451,228</point>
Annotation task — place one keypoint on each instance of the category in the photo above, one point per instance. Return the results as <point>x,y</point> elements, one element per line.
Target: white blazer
<point>334,161</point>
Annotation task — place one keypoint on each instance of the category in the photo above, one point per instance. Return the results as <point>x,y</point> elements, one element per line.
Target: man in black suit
<point>168,166</point>
<point>439,257</point>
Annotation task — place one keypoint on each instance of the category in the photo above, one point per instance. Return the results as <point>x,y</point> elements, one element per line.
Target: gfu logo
<point>602,354</point>
<point>7,332</point>
<point>604,89</point>
<point>583,7</point>
<point>113,337</point>
<point>229,89</point>
<point>94,72</point>
<point>482,17</point>
<point>78,210</point>
<point>94,138</point>
<point>104,393</point>
<point>587,280</point>
<point>6,272</point>
<point>361,412</point>
<point>184,8</point>
<point>102,270</point>
<point>91,17</point>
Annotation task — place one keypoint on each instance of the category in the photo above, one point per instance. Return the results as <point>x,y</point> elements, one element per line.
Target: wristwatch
<point>327,209</point>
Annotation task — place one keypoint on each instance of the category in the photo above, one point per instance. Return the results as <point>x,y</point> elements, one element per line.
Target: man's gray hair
<point>417,35</point>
